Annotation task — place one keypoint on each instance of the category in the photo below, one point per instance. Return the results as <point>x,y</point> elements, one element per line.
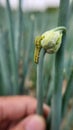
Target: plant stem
<point>6,77</point>
<point>47,76</point>
<point>59,62</point>
<point>40,83</point>
<point>20,20</point>
<point>68,93</point>
<point>12,49</point>
<point>51,87</point>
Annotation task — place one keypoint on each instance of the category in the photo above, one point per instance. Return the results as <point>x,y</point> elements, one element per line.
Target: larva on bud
<point>50,40</point>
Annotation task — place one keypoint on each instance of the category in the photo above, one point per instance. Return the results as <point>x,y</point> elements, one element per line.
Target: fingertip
<point>46,110</point>
<point>36,123</point>
<point>33,122</point>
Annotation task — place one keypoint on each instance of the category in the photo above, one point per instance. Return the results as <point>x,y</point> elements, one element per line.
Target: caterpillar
<point>37,48</point>
<point>36,54</point>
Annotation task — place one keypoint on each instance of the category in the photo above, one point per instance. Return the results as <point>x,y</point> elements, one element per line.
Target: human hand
<point>19,113</point>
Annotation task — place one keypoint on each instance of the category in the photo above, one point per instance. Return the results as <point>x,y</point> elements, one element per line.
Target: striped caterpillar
<point>37,48</point>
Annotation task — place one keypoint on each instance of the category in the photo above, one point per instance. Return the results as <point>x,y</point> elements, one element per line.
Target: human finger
<point>33,122</point>
<point>18,107</point>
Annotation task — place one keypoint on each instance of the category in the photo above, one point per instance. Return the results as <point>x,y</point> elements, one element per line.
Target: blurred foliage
<point>42,21</point>
<point>33,24</point>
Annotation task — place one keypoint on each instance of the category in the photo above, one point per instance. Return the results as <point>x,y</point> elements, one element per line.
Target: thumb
<point>33,122</point>
<point>36,123</point>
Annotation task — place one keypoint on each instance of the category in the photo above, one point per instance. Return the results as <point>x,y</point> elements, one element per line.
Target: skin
<point>19,113</point>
